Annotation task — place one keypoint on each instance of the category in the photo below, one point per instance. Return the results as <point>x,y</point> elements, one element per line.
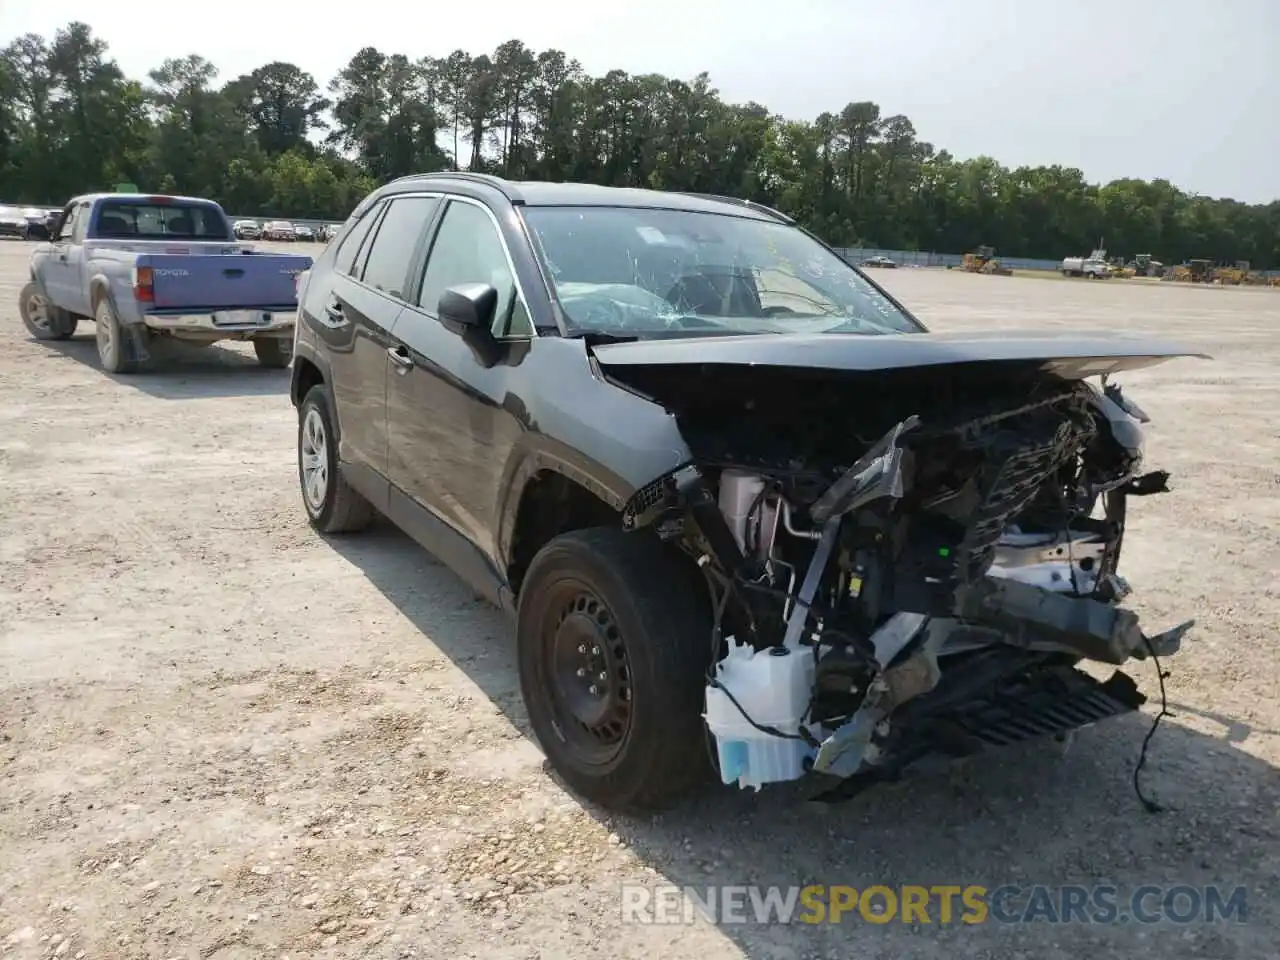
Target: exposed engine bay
<point>902,564</point>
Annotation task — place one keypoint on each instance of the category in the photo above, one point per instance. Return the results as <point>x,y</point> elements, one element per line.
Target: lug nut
<point>602,677</point>
<point>595,651</point>
<point>595,691</point>
<point>582,648</point>
<point>581,672</point>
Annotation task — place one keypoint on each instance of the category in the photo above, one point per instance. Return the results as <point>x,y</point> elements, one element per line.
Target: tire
<point>110,334</point>
<point>273,353</point>
<point>605,603</point>
<point>42,319</point>
<point>332,505</point>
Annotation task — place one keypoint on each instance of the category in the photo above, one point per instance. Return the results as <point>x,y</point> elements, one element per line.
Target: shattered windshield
<point>629,271</point>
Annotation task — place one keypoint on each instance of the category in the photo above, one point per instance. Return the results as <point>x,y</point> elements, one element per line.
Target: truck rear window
<point>143,221</point>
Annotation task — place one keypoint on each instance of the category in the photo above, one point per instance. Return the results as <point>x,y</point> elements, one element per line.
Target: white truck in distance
<point>1094,266</point>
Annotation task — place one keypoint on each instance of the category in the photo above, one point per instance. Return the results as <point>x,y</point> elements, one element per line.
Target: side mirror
<point>468,306</point>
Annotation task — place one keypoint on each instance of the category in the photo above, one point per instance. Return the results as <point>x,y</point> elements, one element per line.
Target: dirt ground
<point>224,737</point>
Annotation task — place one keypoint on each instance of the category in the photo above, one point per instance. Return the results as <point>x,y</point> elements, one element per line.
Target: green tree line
<point>275,143</point>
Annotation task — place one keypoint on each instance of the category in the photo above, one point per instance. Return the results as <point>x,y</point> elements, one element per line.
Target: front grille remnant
<point>1021,450</point>
<point>1017,464</point>
<point>651,495</point>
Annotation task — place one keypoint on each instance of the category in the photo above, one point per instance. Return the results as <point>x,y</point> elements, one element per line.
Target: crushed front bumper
<point>950,722</point>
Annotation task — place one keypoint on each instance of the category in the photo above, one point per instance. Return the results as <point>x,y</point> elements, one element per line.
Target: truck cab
<point>145,266</point>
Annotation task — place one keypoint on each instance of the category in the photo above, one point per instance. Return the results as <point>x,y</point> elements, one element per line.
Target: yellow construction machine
<point>983,260</point>
<point>1232,276</point>
<point>1193,271</point>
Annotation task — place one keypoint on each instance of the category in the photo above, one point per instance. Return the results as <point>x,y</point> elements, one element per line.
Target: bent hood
<point>1075,355</point>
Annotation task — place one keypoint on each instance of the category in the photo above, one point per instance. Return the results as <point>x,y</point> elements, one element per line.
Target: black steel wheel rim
<point>586,672</point>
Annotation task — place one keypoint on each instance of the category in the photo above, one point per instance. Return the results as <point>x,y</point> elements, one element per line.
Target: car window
<point>69,223</point>
<point>468,249</point>
<point>387,266</point>
<point>82,223</point>
<point>344,260</point>
<point>134,220</point>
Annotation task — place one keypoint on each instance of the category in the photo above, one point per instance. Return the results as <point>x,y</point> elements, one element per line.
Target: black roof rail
<point>738,201</point>
<point>507,188</point>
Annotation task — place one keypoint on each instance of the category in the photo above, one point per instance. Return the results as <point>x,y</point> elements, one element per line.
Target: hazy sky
<point>1187,90</point>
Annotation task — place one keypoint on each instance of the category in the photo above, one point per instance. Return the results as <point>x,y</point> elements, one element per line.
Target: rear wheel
<point>113,351</point>
<point>273,353</point>
<point>332,505</point>
<point>613,646</point>
<point>42,319</point>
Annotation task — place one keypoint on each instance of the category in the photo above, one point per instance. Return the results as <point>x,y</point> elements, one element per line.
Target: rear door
<point>356,318</point>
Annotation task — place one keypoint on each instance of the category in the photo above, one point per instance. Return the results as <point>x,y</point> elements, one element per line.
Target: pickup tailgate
<point>204,284</point>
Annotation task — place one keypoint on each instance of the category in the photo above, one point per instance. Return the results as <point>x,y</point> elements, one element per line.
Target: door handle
<point>400,357</point>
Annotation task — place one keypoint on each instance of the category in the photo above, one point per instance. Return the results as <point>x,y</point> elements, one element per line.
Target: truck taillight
<point>144,284</point>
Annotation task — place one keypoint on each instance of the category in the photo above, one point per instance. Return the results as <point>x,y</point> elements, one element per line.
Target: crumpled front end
<point>904,565</point>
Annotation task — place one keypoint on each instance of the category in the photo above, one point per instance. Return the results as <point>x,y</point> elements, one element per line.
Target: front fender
<point>603,437</point>
<point>38,257</point>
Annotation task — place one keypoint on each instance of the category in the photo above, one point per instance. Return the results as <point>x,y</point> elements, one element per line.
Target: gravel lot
<point>222,736</point>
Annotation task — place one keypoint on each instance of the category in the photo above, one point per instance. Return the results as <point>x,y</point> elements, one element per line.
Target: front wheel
<point>42,319</point>
<point>273,353</point>
<point>613,644</point>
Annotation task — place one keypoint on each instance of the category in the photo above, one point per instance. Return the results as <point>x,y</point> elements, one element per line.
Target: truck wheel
<point>113,352</point>
<point>273,353</point>
<point>42,319</point>
<point>332,505</point>
<point>613,645</point>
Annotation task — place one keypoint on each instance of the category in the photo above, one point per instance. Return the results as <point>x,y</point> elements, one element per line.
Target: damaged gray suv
<point>749,516</point>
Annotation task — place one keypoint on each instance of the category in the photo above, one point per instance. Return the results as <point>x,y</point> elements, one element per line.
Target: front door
<point>449,432</point>
<point>58,272</point>
<point>77,298</point>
